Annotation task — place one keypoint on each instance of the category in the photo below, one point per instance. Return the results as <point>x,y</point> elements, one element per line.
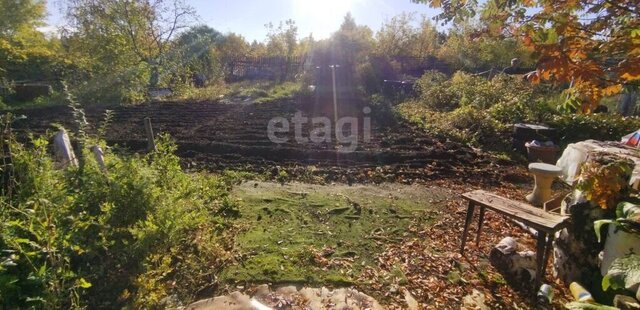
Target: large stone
<point>233,301</point>
<point>287,290</point>
<point>474,301</point>
<point>308,298</point>
<point>412,303</point>
<point>262,291</point>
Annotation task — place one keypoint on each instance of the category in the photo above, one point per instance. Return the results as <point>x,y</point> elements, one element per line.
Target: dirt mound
<point>218,136</point>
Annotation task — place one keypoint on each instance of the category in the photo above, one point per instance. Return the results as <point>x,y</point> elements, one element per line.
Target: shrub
<point>479,111</point>
<point>371,79</point>
<point>477,127</point>
<point>608,127</point>
<point>433,90</point>
<point>465,124</point>
<point>439,93</point>
<point>128,86</point>
<point>474,91</point>
<point>86,237</point>
<point>537,111</point>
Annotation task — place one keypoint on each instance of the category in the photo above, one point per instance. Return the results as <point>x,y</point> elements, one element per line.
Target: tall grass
<point>139,233</point>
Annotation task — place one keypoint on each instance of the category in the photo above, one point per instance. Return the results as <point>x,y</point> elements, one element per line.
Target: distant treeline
<point>114,51</point>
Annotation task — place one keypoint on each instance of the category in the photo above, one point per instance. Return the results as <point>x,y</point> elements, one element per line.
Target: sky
<point>317,17</point>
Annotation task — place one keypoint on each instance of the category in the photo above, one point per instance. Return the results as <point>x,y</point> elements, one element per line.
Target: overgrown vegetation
<point>188,93</point>
<point>280,92</point>
<point>266,91</point>
<point>480,111</point>
<point>140,232</point>
<point>115,53</point>
<point>598,56</point>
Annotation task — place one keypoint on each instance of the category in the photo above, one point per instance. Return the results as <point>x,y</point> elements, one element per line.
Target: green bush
<point>433,90</point>
<point>133,234</point>
<point>607,127</point>
<point>476,126</point>
<point>440,93</point>
<point>537,111</point>
<point>128,86</point>
<point>474,91</point>
<point>491,128</point>
<point>465,124</point>
<point>474,109</point>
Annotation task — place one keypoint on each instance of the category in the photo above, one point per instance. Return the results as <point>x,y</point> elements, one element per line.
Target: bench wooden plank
<point>528,214</point>
<point>545,223</point>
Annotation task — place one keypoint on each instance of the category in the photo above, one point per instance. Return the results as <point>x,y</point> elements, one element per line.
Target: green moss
<point>285,225</point>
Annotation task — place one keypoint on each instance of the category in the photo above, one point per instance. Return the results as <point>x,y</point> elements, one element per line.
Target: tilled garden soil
<point>216,136</point>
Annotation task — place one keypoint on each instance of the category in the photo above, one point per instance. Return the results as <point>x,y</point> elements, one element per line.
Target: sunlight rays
<point>321,17</point>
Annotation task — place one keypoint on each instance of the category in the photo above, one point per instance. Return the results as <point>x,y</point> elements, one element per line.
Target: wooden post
<point>63,150</point>
<point>151,146</point>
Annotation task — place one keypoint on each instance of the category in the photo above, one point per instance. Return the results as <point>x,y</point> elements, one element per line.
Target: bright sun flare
<point>321,17</point>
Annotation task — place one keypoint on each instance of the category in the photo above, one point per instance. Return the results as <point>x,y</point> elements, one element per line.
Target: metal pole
<point>335,96</point>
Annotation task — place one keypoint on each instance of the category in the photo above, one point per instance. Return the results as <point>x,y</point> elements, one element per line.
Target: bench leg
<point>540,259</point>
<point>480,221</point>
<point>467,221</point>
<point>547,251</point>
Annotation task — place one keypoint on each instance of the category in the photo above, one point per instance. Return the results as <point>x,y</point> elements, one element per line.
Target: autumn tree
<point>257,49</point>
<point>349,48</point>
<point>396,36</point>
<point>16,15</point>
<point>305,45</point>
<point>351,43</point>
<point>282,39</point>
<point>469,49</point>
<point>25,52</point>
<point>428,39</point>
<point>196,49</point>
<point>592,44</point>
<point>234,46</point>
<point>399,36</point>
<point>126,41</point>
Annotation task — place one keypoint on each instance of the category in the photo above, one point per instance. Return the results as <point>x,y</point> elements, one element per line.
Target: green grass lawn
<point>321,234</point>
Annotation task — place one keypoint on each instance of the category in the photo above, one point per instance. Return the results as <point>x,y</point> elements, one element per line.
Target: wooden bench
<point>545,223</point>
